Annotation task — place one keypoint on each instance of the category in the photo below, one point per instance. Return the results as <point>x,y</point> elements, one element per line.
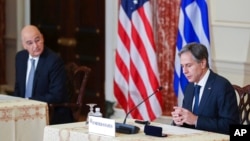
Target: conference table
<point>22,119</point>
<point>79,132</point>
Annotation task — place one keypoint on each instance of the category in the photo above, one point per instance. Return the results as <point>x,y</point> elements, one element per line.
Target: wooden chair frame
<point>243,94</point>
<point>77,90</point>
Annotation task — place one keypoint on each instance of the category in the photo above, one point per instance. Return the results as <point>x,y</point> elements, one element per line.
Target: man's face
<point>193,70</point>
<point>33,42</point>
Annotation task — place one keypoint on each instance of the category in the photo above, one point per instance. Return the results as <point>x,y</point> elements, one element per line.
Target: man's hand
<point>181,116</point>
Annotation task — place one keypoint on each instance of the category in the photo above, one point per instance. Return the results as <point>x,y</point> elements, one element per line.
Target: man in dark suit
<point>216,98</point>
<point>49,76</point>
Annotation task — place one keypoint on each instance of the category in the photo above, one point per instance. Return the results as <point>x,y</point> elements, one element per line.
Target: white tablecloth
<point>22,119</point>
<point>79,132</point>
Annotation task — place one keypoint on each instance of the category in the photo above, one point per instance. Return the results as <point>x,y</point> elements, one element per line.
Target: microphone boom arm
<point>157,90</point>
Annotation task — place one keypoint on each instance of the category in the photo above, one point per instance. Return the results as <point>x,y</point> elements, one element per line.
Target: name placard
<point>102,126</point>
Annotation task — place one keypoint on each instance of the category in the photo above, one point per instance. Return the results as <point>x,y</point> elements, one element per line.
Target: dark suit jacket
<point>218,106</point>
<point>49,80</point>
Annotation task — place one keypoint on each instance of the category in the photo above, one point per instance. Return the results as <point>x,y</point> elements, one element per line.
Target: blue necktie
<point>196,102</point>
<point>29,85</point>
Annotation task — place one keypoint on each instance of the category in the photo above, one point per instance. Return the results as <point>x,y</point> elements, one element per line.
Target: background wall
<point>16,16</point>
<point>230,22</point>
<point>10,40</point>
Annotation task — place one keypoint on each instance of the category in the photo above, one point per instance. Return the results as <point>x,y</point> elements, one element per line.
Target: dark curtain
<point>2,45</point>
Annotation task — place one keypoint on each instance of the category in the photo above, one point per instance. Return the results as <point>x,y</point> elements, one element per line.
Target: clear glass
<point>91,111</point>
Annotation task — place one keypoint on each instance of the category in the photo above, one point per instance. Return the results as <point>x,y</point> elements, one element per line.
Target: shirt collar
<point>35,58</point>
<point>203,81</point>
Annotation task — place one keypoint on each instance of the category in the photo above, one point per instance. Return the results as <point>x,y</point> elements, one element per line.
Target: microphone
<point>131,129</point>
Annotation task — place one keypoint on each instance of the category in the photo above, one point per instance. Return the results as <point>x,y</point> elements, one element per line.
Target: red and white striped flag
<point>136,70</point>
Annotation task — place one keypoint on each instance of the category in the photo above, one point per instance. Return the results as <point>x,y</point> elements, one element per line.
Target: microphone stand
<point>130,129</point>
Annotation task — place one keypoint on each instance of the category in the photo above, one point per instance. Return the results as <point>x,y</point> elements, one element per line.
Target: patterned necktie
<point>196,102</point>
<point>29,84</point>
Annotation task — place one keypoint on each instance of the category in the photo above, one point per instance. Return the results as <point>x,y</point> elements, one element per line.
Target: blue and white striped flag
<point>193,27</point>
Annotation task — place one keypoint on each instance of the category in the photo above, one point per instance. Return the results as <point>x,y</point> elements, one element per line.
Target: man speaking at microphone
<point>209,99</point>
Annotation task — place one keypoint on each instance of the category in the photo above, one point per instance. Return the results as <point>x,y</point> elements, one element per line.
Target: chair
<point>243,96</point>
<point>77,77</point>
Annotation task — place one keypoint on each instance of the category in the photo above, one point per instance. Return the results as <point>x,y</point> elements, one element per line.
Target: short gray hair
<point>199,51</point>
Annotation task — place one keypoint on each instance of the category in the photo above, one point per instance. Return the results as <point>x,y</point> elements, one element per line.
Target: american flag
<point>193,27</point>
<point>136,70</point>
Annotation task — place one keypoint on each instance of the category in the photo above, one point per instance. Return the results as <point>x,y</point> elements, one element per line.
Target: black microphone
<point>131,129</point>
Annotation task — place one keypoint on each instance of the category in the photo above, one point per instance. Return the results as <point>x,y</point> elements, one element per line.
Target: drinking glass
<point>91,111</point>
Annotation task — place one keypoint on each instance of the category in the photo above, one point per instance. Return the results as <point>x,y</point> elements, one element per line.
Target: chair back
<point>77,76</point>
<point>243,97</point>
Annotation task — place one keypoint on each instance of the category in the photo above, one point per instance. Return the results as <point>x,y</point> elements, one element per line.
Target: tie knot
<point>197,86</point>
<point>32,61</point>
<point>197,89</point>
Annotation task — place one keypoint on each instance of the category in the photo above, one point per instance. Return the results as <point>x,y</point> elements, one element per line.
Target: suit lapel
<point>40,64</point>
<point>188,98</point>
<point>206,93</point>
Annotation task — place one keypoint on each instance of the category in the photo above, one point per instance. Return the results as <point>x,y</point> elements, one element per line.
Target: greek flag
<point>193,27</point>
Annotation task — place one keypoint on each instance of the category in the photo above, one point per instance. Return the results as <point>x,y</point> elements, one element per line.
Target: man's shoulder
<point>22,53</point>
<point>48,53</point>
<point>219,79</point>
<point>50,58</point>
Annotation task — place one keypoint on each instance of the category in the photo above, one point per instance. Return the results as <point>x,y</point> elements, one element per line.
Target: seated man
<point>213,107</point>
<point>44,77</point>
